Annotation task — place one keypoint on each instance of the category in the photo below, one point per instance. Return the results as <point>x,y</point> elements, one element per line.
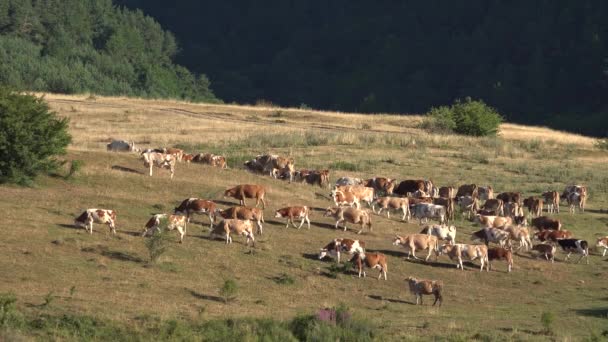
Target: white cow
<point>160,160</point>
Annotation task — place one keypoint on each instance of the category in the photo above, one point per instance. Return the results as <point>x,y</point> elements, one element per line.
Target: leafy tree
<point>466,117</point>
<point>31,136</point>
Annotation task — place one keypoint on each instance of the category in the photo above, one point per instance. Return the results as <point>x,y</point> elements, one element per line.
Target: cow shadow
<point>113,254</point>
<point>226,203</point>
<point>596,211</point>
<point>390,300</point>
<point>314,257</point>
<point>204,296</point>
<point>596,312</point>
<point>70,226</point>
<point>396,254</point>
<point>126,169</point>
<point>132,233</point>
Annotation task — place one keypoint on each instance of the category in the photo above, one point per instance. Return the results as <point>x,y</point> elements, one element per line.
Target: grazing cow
<point>508,197</point>
<point>177,222</point>
<point>362,193</point>
<point>499,253</point>
<point>371,260</point>
<point>544,222</point>
<point>313,177</point>
<point>424,211</point>
<point>521,235</point>
<point>244,213</point>
<point>495,205</point>
<point>234,226</point>
<point>351,215</point>
<point>448,204</point>
<point>547,250</point>
<point>243,191</point>
<point>552,201</point>
<point>121,146</point>
<point>493,221</point>
<point>485,192</point>
<point>342,198</point>
<point>468,190</point>
<point>409,187</point>
<point>414,242</point>
<point>553,235</point>
<point>272,162</point>
<point>393,203</point>
<point>176,152</point>
<point>447,192</point>
<point>470,252</point>
<point>381,185</point>
<point>512,209</point>
<point>442,232</point>
<point>160,160</point>
<point>292,213</point>
<point>534,205</point>
<point>153,224</point>
<point>101,216</point>
<point>199,206</point>
<point>421,287</point>
<point>187,158</point>
<point>602,243</point>
<point>338,246</point>
<point>468,205</point>
<point>348,181</point>
<point>577,246</point>
<point>212,160</point>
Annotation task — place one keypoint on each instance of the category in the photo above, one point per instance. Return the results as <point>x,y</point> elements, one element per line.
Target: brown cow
<point>90,216</point>
<point>495,205</point>
<point>243,191</point>
<point>294,212</point>
<point>553,235</point>
<point>381,185</point>
<point>199,206</point>
<point>371,260</point>
<point>393,203</point>
<point>493,221</point>
<point>211,159</point>
<point>336,246</point>
<point>544,222</point>
<point>485,192</point>
<point>468,190</point>
<point>363,193</point>
<point>187,158</point>
<point>409,187</point>
<point>552,201</point>
<point>447,192</point>
<point>423,286</point>
<point>314,177</point>
<point>233,226</point>
<point>448,203</point>
<point>176,152</point>
<point>534,205</point>
<point>508,197</point>
<point>499,253</point>
<point>244,213</point>
<point>547,250</point>
<point>352,215</point>
<point>414,242</point>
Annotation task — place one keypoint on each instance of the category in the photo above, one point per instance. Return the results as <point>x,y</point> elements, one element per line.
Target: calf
<point>421,287</point>
<point>243,191</point>
<point>352,215</point>
<point>153,224</point>
<point>199,206</point>
<point>371,260</point>
<point>499,253</point>
<point>442,232</point>
<point>393,203</point>
<point>547,250</point>
<point>362,193</point>
<point>294,212</point>
<point>234,226</point>
<point>244,213</point>
<point>470,252</point>
<point>577,246</point>
<point>211,159</point>
<point>602,243</point>
<point>414,242</point>
<point>338,246</point>
<point>575,200</point>
<point>552,201</point>
<point>320,178</point>
<point>544,222</point>
<point>102,216</point>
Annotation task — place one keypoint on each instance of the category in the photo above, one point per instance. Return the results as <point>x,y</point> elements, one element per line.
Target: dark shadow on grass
<point>525,331</point>
<point>377,297</point>
<point>132,233</point>
<point>126,169</point>
<point>596,211</point>
<point>315,257</point>
<point>230,204</point>
<point>122,256</point>
<point>597,312</point>
<point>204,296</point>
<point>71,226</point>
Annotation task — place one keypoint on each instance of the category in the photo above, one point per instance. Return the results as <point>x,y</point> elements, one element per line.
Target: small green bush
<point>467,117</point>
<point>547,319</point>
<point>229,290</point>
<point>75,167</point>
<point>602,144</point>
<point>157,245</point>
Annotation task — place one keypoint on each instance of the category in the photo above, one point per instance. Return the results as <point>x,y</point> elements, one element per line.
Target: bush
<point>157,245</point>
<point>31,136</point>
<point>229,290</point>
<point>546,319</point>
<point>602,144</point>
<point>75,166</point>
<point>470,117</point>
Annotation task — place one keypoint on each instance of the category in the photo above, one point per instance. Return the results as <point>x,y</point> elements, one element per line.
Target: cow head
<point>277,214</point>
<point>398,240</point>
<point>322,253</point>
<point>230,192</point>
<point>445,249</point>
<point>330,211</point>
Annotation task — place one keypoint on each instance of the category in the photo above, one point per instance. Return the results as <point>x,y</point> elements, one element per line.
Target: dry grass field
<point>108,277</point>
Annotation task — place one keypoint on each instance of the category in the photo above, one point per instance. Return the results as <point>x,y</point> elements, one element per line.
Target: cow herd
<point>501,217</point>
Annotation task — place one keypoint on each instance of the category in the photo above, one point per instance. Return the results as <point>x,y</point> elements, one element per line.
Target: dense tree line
<point>541,62</point>
<point>76,46</point>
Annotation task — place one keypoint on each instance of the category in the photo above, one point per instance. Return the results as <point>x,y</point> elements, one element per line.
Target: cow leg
<point>287,225</point>
<point>460,263</point>
<point>414,253</point>
<point>568,256</point>
<point>379,210</point>
<point>301,223</point>
<point>293,223</point>
<point>604,254</point>
<point>307,221</point>
<point>260,229</point>
<point>429,255</point>
<point>182,232</point>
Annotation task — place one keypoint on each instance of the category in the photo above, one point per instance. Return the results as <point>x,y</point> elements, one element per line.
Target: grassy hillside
<point>108,277</point>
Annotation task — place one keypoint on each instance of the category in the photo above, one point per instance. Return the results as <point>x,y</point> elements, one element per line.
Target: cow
<point>176,152</point>
<point>187,158</point>
<point>199,206</point>
<point>534,205</point>
<point>101,216</point>
<point>468,205</point>
<point>547,250</point>
<point>577,246</point>
<point>512,209</point>
<point>393,203</point>
<point>371,260</point>
<point>421,194</point>
<point>178,222</point>
<point>508,197</point>
<point>314,177</point>
<point>153,224</point>
<point>574,200</point>
<point>409,186</point>
<point>521,235</point>
<point>602,243</point>
<point>553,235</point>
<point>234,226</point>
<point>447,192</point>
<point>292,213</point>
<point>552,200</point>
<point>414,242</point>
<point>544,222</point>
<point>427,210</point>
<point>121,146</point>
<point>338,246</point>
<point>495,205</point>
<point>160,160</point>
<point>273,165</point>
<point>381,185</point>
<point>420,287</point>
<point>470,252</point>
<point>442,232</point>
<point>448,204</point>
<point>494,235</point>
<point>578,189</point>
<point>243,191</point>
<point>499,253</point>
<point>211,159</point>
<point>244,213</point>
<point>348,181</point>
<point>362,193</point>
<point>485,192</point>
<point>468,190</point>
<point>351,215</point>
<point>493,221</point>
<point>342,198</point>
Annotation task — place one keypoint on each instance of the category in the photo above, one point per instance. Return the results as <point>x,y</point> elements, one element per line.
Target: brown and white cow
<point>363,193</point>
<point>485,192</point>
<point>292,213</point>
<point>499,253</point>
<point>447,192</point>
<point>313,177</point>
<point>552,201</point>
<point>101,216</point>
<point>243,191</point>
<point>544,222</point>
<point>575,200</point>
<point>494,235</point>
<point>442,232</point>
<point>547,250</point>
<point>211,159</point>
<point>414,242</point>
<point>493,221</point>
<point>553,235</point>
<point>273,165</point>
<point>513,210</point>
<point>420,287</point>
<point>521,235</point>
<point>495,205</point>
<point>176,152</point>
<point>370,260</point>
<point>381,185</point>
<point>160,160</point>
<point>187,158</point>
<point>471,252</point>
<point>581,190</point>
<point>468,206</point>
<point>534,205</point>
<point>234,226</point>
<point>194,205</point>
<point>338,246</point>
<point>244,213</point>
<point>153,224</point>
<point>351,215</point>
<point>178,222</point>
<point>345,198</point>
<point>393,203</point>
<point>602,243</point>
<point>508,197</point>
<point>468,190</point>
<point>407,187</point>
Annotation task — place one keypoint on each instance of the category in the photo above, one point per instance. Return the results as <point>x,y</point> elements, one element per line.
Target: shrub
<point>546,319</point>
<point>602,144</point>
<point>30,137</point>
<point>75,166</point>
<point>229,290</point>
<point>157,245</point>
<point>9,316</point>
<point>466,117</point>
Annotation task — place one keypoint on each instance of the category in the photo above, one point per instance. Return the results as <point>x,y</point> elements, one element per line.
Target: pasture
<point>108,277</point>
